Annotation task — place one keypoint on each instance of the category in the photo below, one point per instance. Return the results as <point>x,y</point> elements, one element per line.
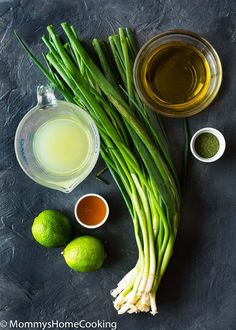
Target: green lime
<point>51,228</point>
<point>85,254</point>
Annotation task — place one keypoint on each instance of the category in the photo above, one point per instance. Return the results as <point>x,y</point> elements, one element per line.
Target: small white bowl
<point>219,136</point>
<point>104,219</point>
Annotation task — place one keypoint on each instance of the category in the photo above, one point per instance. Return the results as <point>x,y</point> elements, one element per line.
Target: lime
<point>85,254</point>
<point>51,228</point>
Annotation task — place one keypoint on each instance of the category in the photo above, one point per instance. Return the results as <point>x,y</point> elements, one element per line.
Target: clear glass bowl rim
<point>158,108</point>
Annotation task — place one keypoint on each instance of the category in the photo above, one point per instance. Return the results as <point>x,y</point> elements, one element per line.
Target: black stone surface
<point>198,291</point>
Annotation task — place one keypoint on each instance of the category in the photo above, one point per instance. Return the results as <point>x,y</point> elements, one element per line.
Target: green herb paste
<point>207,145</point>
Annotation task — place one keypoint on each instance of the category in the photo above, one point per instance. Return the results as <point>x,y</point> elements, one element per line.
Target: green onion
<point>99,175</point>
<point>133,146</point>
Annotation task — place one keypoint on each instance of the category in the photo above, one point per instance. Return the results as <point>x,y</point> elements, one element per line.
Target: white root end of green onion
<point>145,299</point>
<point>117,291</point>
<point>119,301</point>
<point>140,298</point>
<point>125,308</point>
<point>153,303</point>
<point>134,303</point>
<point>142,307</point>
<point>133,309</point>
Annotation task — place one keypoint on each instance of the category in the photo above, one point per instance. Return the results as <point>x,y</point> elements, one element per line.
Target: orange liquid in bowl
<point>91,210</point>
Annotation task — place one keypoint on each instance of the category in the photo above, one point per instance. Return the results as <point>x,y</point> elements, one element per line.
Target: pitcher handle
<point>46,96</point>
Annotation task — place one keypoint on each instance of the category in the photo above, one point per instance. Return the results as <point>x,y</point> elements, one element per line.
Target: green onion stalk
<point>133,146</point>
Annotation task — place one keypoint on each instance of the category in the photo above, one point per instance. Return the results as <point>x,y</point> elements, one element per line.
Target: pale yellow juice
<point>61,146</point>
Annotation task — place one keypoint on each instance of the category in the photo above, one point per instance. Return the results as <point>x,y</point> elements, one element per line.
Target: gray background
<point>199,287</point>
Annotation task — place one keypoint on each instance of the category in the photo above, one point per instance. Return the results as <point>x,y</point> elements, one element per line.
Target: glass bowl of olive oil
<point>177,73</point>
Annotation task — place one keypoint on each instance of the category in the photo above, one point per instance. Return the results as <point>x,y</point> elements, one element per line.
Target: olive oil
<point>176,75</point>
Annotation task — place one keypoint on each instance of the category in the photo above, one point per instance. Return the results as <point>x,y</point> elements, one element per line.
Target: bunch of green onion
<point>133,145</point>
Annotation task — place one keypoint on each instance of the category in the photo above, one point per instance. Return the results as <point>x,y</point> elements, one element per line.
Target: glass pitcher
<point>34,142</point>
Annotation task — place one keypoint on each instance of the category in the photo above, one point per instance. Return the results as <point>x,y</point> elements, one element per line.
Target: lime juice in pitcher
<point>57,143</point>
<point>61,145</point>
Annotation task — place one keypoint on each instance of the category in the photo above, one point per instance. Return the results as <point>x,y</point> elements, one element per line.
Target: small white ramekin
<point>219,136</point>
<point>99,224</point>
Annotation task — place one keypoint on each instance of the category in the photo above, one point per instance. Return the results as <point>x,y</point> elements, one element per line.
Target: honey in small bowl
<point>91,210</point>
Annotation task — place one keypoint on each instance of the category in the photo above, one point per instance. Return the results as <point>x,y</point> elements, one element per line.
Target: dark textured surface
<point>199,287</point>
